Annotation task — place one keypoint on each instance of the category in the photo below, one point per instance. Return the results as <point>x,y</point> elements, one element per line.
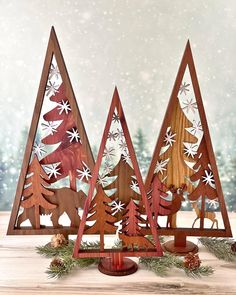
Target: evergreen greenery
<point>221,248</point>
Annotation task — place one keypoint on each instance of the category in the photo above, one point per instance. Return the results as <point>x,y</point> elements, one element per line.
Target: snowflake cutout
<point>51,88</point>
<point>52,170</point>
<point>184,88</point>
<point>54,71</point>
<point>84,173</point>
<point>117,207</point>
<point>126,158</point>
<point>107,168</point>
<point>213,203</point>
<point>190,150</point>
<point>102,180</point>
<point>112,136</point>
<point>73,135</point>
<point>190,105</point>
<point>134,185</point>
<point>123,146</point>
<point>120,133</point>
<point>208,178</point>
<point>197,127</point>
<point>38,149</point>
<point>109,153</point>
<point>160,166</point>
<point>50,127</point>
<point>169,137</point>
<point>64,106</point>
<point>115,118</point>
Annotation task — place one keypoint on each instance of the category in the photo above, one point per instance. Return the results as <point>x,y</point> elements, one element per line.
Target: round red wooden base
<point>169,246</point>
<point>107,267</point>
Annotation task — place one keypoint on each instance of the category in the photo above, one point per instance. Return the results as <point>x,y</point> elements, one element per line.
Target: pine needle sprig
<point>219,247</point>
<point>49,251</point>
<point>161,265</point>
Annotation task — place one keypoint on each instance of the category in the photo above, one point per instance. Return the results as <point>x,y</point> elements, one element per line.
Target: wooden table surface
<point>22,271</point>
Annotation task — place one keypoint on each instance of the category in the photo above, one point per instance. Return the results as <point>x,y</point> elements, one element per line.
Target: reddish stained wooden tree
<point>156,200</point>
<point>35,190</point>
<point>131,219</point>
<point>114,261</point>
<point>206,185</point>
<point>72,154</point>
<point>192,104</point>
<point>101,213</point>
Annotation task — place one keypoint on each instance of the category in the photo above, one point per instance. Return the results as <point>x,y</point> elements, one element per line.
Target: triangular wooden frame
<point>116,104</point>
<point>53,48</point>
<point>187,60</point>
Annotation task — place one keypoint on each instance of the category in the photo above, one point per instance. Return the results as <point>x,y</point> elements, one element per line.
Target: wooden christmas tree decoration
<point>58,157</point>
<point>184,167</point>
<point>119,198</point>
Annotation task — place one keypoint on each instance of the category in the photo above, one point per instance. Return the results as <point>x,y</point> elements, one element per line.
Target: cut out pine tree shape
<point>184,160</point>
<point>57,139</point>
<point>118,202</point>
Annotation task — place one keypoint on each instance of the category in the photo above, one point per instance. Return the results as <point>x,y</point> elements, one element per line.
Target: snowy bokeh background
<point>136,45</point>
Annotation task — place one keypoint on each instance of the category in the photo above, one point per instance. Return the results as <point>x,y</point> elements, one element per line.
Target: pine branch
<point>161,265</point>
<point>221,248</point>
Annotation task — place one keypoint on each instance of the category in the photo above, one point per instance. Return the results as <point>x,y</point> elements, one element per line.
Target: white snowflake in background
<point>190,150</point>
<point>123,146</point>
<point>53,169</point>
<point>208,178</point>
<point>73,135</point>
<point>169,137</point>
<point>134,185</point>
<point>84,173</point>
<point>197,127</point>
<point>112,136</point>
<point>117,207</point>
<point>184,88</point>
<point>213,203</point>
<point>190,105</point>
<point>64,106</point>
<point>102,180</point>
<point>38,149</point>
<point>120,133</point>
<point>109,153</point>
<point>126,158</point>
<point>50,127</point>
<point>51,88</point>
<point>160,166</point>
<point>115,118</point>
<point>107,167</point>
<point>54,71</point>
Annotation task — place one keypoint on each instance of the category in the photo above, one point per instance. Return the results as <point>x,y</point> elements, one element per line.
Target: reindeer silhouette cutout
<point>207,214</point>
<point>176,203</point>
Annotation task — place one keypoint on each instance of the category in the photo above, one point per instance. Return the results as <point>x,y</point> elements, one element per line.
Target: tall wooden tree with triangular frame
<point>194,161</point>
<point>114,261</point>
<point>65,111</point>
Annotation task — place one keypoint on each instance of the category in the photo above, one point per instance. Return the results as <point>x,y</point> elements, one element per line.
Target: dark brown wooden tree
<point>184,155</point>
<point>35,191</point>
<point>101,213</point>
<point>114,261</point>
<point>71,157</point>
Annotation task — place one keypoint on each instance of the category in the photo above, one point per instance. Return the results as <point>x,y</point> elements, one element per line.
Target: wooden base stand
<point>180,246</point>
<point>117,265</point>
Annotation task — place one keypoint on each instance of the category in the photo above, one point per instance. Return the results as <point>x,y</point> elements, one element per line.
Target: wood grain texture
<point>22,271</point>
<point>53,49</point>
<point>174,119</point>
